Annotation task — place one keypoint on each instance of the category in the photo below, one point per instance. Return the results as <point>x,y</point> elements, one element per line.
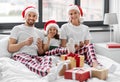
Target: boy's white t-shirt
<point>53,42</point>
<point>21,33</point>
<point>77,33</point>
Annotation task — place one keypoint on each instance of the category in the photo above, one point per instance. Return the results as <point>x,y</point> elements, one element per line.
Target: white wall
<point>100,37</point>
<point>3,36</point>
<point>115,8</point>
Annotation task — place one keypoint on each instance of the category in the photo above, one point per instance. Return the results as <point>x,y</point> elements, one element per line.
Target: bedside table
<point>113,53</point>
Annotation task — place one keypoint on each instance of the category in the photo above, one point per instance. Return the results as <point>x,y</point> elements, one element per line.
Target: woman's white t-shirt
<point>77,33</point>
<point>22,32</point>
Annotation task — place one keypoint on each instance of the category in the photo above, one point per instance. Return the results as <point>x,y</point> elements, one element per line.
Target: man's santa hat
<point>49,24</point>
<point>28,10</point>
<point>76,7</point>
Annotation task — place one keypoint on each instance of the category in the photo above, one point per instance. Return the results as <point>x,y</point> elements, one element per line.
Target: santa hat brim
<point>52,25</point>
<point>77,8</point>
<point>74,7</point>
<point>31,10</point>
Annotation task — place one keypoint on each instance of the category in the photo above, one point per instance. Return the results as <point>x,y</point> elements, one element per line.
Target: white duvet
<point>13,71</point>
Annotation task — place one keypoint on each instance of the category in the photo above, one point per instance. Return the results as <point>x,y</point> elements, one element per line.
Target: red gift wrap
<point>77,74</point>
<point>75,58</point>
<point>114,45</point>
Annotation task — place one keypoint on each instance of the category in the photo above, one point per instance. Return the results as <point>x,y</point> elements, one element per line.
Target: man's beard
<point>30,23</point>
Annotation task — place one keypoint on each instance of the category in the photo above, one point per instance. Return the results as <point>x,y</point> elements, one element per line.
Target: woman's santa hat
<point>28,10</point>
<point>76,7</point>
<point>49,24</point>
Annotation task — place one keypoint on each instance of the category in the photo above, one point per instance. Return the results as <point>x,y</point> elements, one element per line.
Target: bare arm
<point>40,46</point>
<point>46,46</point>
<point>13,46</point>
<point>63,42</point>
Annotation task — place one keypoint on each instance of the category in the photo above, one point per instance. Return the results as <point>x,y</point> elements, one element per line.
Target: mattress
<point>13,71</point>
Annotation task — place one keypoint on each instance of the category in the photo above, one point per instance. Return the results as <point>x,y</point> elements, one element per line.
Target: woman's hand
<point>81,44</point>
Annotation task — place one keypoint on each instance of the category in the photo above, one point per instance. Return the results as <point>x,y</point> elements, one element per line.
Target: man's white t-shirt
<point>22,32</point>
<point>77,33</point>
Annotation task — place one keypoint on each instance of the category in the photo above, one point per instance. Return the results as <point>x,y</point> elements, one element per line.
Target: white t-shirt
<point>22,32</point>
<point>53,42</point>
<point>77,33</point>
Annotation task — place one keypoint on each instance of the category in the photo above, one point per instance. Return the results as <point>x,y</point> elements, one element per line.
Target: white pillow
<point>3,47</point>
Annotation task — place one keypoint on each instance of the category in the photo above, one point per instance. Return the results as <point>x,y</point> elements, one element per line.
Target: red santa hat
<point>28,10</point>
<point>49,24</point>
<point>76,7</point>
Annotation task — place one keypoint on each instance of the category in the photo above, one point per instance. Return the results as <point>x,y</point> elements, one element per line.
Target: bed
<point>13,71</point>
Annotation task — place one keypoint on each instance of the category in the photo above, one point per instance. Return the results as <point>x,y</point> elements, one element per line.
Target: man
<point>25,43</point>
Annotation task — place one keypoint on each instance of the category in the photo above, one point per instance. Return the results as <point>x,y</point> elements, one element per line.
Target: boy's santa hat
<point>28,10</point>
<point>49,24</point>
<point>76,7</point>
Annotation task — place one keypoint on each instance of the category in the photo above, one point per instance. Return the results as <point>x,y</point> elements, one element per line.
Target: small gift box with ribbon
<point>77,74</point>
<point>100,73</point>
<point>66,66</point>
<point>76,59</point>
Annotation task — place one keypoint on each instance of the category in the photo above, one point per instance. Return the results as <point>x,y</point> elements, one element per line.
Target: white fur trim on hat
<point>52,25</point>
<point>31,10</point>
<point>73,7</point>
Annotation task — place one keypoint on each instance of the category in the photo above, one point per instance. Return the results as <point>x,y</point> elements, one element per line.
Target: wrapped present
<point>113,45</point>
<point>77,74</point>
<point>76,60</point>
<point>72,62</point>
<point>66,66</point>
<point>63,57</point>
<point>100,73</point>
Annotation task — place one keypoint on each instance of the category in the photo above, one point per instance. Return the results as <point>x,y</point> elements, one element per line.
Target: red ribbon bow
<point>76,56</point>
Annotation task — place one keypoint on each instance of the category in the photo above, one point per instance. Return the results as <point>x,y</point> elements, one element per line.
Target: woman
<point>78,32</point>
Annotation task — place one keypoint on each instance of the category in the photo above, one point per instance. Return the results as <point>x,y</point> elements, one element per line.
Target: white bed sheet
<point>12,71</point>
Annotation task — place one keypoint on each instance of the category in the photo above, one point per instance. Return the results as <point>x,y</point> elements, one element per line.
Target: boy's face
<point>52,31</point>
<point>30,18</point>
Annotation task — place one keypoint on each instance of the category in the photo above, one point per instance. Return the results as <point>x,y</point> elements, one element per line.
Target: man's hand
<point>39,43</point>
<point>40,46</point>
<point>29,41</point>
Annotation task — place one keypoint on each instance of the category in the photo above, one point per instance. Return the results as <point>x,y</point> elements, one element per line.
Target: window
<point>51,9</point>
<point>93,9</point>
<point>10,10</point>
<point>55,9</point>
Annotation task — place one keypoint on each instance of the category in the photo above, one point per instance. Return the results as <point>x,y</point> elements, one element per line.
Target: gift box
<point>113,45</point>
<point>100,73</point>
<point>76,60</point>
<point>66,66</point>
<point>77,74</point>
<point>63,57</point>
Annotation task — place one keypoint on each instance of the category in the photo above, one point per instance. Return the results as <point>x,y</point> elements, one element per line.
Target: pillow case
<point>3,47</point>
